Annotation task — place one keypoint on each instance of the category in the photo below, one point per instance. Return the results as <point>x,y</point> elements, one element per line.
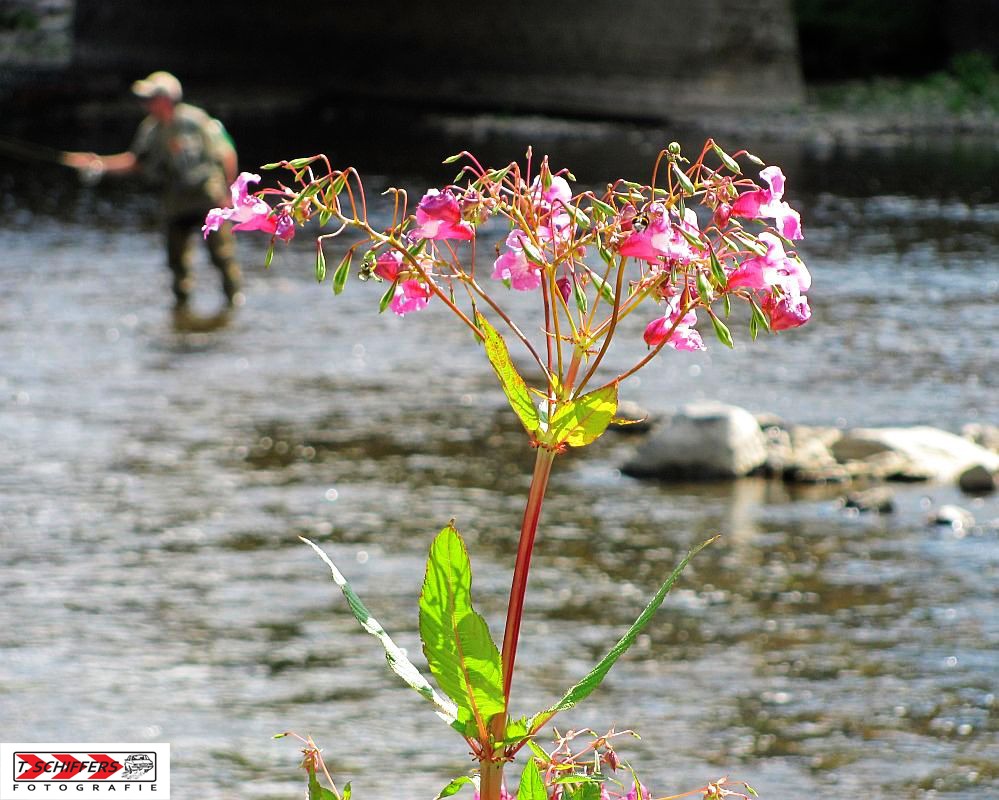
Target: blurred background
<point>153,481</point>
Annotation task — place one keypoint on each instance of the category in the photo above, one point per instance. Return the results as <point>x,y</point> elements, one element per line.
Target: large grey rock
<point>927,452</point>
<point>701,441</point>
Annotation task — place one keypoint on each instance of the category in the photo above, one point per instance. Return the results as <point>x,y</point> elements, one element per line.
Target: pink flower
<point>410,295</point>
<point>249,212</point>
<point>787,311</point>
<point>661,238</point>
<point>685,337</point>
<point>557,194</point>
<point>514,266</point>
<point>388,265</point>
<point>772,269</point>
<point>438,216</point>
<point>768,203</point>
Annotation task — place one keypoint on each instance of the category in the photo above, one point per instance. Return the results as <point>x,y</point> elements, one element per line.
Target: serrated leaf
<point>722,332</point>
<point>536,749</point>
<point>532,787</point>
<point>456,641</point>
<point>453,787</point>
<point>342,271</point>
<point>580,778</point>
<point>586,791</point>
<point>592,680</point>
<point>396,658</point>
<point>316,790</point>
<point>320,263</point>
<point>513,385</point>
<point>582,420</point>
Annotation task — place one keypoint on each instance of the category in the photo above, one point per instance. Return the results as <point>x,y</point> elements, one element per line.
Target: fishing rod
<point>89,175</point>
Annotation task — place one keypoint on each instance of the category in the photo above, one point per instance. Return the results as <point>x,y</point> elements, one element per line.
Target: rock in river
<point>702,440</point>
<point>930,452</point>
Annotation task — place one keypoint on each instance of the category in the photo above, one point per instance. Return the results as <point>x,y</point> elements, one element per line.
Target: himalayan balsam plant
<point>590,260</point>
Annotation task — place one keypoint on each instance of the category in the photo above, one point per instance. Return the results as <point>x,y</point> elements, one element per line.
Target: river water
<point>153,483</point>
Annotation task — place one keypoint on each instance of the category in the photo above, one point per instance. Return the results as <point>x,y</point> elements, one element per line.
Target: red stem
<point>539,483</point>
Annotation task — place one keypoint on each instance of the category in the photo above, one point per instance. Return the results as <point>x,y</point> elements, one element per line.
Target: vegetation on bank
<point>970,84</point>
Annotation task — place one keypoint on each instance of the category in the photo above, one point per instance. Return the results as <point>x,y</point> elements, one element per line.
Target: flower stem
<point>515,610</point>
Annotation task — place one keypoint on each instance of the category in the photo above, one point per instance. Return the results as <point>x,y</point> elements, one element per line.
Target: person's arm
<point>118,163</point>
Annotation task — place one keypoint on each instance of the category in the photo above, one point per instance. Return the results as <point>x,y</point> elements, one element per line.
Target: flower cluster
<point>677,258</point>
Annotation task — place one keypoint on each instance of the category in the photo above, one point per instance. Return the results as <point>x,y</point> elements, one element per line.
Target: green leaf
<point>703,287</point>
<point>682,178</point>
<point>387,297</point>
<point>345,794</point>
<point>726,159</point>
<point>536,749</point>
<point>751,790</point>
<point>758,316</point>
<point>696,241</point>
<point>593,679</point>
<point>456,641</point>
<point>453,787</point>
<point>582,420</point>
<point>513,385</point>
<point>342,271</point>
<point>722,332</point>
<point>580,295</point>
<point>605,289</point>
<point>717,273</point>
<point>320,263</point>
<point>727,303</point>
<point>755,159</point>
<point>452,159</point>
<point>606,208</point>
<point>533,254</point>
<point>317,791</point>
<point>272,165</point>
<point>396,658</point>
<point>577,215</point>
<point>497,175</point>
<point>586,791</point>
<point>270,255</point>
<point>301,162</point>
<point>324,217</point>
<point>532,787</point>
<point>339,182</point>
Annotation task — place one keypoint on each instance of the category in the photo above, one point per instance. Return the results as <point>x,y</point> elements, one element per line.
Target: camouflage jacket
<point>185,157</point>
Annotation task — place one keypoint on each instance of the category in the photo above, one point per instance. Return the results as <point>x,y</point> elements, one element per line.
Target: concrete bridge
<point>637,59</point>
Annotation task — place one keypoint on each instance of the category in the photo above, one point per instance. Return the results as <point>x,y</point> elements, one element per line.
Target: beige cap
<point>159,83</point>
